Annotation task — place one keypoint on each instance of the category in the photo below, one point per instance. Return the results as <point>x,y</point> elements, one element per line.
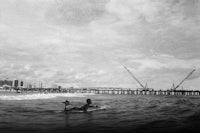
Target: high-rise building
<point>5,82</point>
<point>1,83</point>
<point>21,83</point>
<point>9,83</point>
<point>16,83</point>
<point>29,86</point>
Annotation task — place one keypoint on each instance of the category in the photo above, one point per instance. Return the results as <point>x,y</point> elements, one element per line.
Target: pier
<point>136,92</point>
<point>107,90</point>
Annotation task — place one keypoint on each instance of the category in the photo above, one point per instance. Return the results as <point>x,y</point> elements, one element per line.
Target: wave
<point>195,116</point>
<point>40,96</point>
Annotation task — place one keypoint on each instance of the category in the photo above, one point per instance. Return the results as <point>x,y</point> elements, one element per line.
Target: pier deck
<point>110,91</point>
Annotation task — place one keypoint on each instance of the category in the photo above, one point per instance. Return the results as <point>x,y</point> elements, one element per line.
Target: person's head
<point>89,101</point>
<point>66,102</point>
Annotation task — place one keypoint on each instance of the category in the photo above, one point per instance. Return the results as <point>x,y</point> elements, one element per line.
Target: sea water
<point>32,113</point>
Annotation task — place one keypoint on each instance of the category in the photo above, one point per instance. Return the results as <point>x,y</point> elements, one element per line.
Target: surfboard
<point>89,110</point>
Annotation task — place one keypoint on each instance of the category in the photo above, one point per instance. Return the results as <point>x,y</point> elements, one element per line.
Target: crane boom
<point>185,78</point>
<point>134,77</point>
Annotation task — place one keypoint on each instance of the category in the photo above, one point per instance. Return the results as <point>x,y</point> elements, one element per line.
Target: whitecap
<point>41,96</point>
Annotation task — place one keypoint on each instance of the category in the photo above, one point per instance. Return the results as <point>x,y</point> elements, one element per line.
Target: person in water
<point>67,105</point>
<point>87,105</point>
<point>84,107</point>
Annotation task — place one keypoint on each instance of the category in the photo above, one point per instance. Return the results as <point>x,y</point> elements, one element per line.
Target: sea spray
<point>41,96</point>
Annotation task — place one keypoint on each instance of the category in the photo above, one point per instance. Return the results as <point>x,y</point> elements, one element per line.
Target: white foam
<point>104,107</point>
<point>41,96</point>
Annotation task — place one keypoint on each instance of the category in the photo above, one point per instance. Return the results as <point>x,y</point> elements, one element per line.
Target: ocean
<point>43,113</point>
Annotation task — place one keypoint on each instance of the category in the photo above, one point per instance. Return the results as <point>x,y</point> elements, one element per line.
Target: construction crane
<point>185,79</point>
<point>135,78</point>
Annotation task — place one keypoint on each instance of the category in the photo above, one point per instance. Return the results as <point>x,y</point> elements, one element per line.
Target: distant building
<point>54,85</point>
<point>59,87</point>
<point>6,82</point>
<point>21,83</point>
<point>29,86</point>
<point>16,83</point>
<point>40,85</point>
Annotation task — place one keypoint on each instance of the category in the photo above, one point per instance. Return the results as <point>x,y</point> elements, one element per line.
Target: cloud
<point>76,12</point>
<point>165,25</point>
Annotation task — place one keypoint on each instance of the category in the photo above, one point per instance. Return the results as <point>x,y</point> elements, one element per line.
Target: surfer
<point>87,105</point>
<point>84,107</point>
<point>67,105</point>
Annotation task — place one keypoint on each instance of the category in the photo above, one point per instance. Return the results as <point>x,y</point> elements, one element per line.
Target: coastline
<point>37,95</point>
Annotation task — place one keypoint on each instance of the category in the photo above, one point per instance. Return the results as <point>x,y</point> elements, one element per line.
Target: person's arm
<point>94,106</point>
<point>84,108</point>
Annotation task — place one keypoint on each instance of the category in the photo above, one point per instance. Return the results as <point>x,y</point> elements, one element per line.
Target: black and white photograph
<point>99,66</point>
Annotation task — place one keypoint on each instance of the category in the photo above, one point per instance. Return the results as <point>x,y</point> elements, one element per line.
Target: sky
<point>86,43</point>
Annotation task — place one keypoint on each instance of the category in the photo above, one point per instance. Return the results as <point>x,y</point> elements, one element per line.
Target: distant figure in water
<point>84,107</point>
<point>67,105</point>
<point>87,105</point>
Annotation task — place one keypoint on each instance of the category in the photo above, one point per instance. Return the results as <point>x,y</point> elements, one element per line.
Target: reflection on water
<point>124,113</point>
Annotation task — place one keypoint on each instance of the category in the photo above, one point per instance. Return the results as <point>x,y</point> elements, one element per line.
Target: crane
<point>135,77</point>
<point>185,79</point>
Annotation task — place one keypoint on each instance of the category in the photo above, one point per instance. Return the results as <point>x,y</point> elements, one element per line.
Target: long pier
<point>110,91</point>
<point>139,92</point>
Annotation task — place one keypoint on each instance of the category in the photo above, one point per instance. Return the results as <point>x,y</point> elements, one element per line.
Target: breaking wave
<point>40,96</point>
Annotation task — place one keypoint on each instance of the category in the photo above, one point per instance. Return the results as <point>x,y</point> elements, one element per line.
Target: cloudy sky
<point>85,43</point>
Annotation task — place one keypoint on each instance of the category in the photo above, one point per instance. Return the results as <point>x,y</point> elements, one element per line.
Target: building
<point>6,82</point>
<point>21,84</point>
<point>16,83</point>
